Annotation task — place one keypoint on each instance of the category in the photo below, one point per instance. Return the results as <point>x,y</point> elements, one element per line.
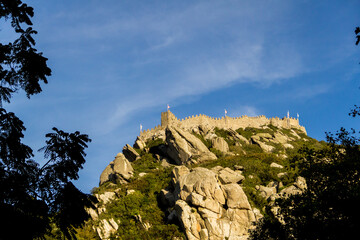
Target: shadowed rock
<point>130,153</point>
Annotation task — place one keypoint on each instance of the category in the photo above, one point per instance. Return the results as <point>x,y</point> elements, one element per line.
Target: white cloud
<point>162,53</point>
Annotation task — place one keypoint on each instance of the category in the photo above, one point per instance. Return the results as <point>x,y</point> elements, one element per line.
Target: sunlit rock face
<point>208,208</point>
<point>205,197</point>
<point>184,147</point>
<point>118,170</point>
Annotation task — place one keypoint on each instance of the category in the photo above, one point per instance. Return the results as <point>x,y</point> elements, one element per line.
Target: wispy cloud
<point>159,54</point>
<point>243,110</point>
<point>309,92</point>
<point>114,60</point>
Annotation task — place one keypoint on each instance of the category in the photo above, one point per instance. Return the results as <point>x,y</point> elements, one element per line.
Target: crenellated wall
<point>169,119</point>
<point>150,133</point>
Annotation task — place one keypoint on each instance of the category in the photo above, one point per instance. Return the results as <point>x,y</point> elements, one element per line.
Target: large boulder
<point>184,146</point>
<point>130,153</point>
<point>106,228</point>
<point>190,220</point>
<point>139,143</point>
<point>235,196</point>
<point>267,192</point>
<point>220,144</point>
<point>208,209</point>
<point>179,171</point>
<point>236,136</point>
<point>118,170</point>
<point>201,181</point>
<point>265,136</point>
<point>106,197</point>
<point>280,138</point>
<point>298,187</point>
<point>227,175</point>
<point>265,147</point>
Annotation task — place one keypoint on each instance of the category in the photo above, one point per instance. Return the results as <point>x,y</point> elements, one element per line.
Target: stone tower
<point>167,118</point>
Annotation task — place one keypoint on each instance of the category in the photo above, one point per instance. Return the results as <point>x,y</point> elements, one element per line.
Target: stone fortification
<point>169,119</point>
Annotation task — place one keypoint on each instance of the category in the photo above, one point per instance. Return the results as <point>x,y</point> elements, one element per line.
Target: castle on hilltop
<point>169,119</point>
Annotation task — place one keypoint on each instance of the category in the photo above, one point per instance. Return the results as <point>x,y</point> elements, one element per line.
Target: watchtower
<point>168,118</point>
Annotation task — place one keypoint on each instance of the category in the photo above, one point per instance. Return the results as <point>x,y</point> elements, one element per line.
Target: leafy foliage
<point>21,66</point>
<point>329,208</point>
<point>33,194</point>
<point>33,197</point>
<point>250,131</point>
<point>154,142</point>
<point>146,163</point>
<point>225,134</point>
<point>143,202</point>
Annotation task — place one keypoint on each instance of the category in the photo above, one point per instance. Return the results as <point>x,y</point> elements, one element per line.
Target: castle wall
<point>169,119</point>
<point>229,122</point>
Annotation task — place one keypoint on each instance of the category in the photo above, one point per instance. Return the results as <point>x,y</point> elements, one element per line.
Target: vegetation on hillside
<point>329,208</point>
<point>144,201</point>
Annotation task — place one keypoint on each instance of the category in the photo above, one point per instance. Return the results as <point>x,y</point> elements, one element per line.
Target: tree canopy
<point>329,207</point>
<point>32,197</point>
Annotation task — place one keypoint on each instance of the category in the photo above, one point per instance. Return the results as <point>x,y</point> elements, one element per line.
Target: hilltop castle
<point>169,119</point>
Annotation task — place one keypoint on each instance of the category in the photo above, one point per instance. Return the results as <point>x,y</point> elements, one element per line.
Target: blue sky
<point>117,64</point>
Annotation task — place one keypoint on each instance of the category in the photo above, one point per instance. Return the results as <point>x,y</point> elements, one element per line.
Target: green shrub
<point>236,149</point>
<point>145,163</point>
<point>225,135</point>
<point>250,131</point>
<point>221,132</point>
<point>154,142</point>
<point>217,152</point>
<point>252,148</point>
<point>255,199</point>
<point>142,202</point>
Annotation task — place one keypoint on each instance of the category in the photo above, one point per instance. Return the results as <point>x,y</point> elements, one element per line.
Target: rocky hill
<point>197,178</point>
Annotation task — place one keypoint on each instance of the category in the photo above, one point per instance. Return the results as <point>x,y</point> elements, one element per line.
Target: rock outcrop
<point>271,191</point>
<point>256,139</point>
<point>220,144</point>
<point>209,208</point>
<point>118,170</point>
<point>298,187</point>
<point>106,228</point>
<point>184,147</point>
<point>130,153</point>
<point>139,143</point>
<point>237,137</point>
<point>208,203</point>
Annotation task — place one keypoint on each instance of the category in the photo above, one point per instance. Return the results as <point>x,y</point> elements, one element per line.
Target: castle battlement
<point>169,119</point>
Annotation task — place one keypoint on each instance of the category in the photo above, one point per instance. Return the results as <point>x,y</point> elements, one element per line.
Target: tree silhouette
<point>329,208</point>
<point>34,197</point>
